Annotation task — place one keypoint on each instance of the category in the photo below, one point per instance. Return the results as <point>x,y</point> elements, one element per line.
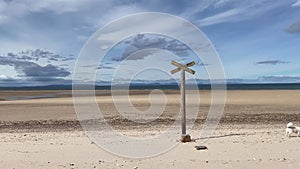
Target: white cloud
<point>3,77</point>
<point>16,9</point>
<point>152,42</point>
<point>222,3</point>
<point>296,4</point>
<point>62,25</point>
<point>115,13</point>
<point>82,38</point>
<point>221,17</point>
<point>231,11</point>
<point>58,6</point>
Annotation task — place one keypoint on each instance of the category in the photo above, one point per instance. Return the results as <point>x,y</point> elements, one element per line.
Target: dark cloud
<point>38,54</point>
<point>67,59</point>
<point>64,65</point>
<point>294,28</point>
<point>24,57</point>
<point>142,42</point>
<point>101,66</point>
<point>34,70</point>
<point>7,1</point>
<point>203,64</point>
<point>105,67</point>
<point>24,64</point>
<point>53,59</point>
<point>271,62</point>
<point>135,54</point>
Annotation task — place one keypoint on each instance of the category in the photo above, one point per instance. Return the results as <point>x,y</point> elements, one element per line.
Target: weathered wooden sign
<point>183,69</point>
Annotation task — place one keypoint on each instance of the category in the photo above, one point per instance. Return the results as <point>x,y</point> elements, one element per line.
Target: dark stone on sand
<point>186,138</point>
<point>201,147</point>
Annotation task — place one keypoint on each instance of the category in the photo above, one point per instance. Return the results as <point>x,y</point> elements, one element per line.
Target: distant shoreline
<point>256,86</point>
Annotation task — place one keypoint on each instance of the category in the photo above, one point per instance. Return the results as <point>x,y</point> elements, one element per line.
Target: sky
<point>40,41</point>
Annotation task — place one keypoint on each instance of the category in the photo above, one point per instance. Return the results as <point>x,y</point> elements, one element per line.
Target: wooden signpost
<point>183,68</point>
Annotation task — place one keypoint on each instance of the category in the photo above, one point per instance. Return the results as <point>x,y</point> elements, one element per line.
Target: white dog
<point>290,128</point>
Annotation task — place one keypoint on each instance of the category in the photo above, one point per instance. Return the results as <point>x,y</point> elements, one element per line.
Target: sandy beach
<point>44,132</point>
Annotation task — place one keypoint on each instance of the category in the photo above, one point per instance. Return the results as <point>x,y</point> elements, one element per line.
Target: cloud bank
<point>28,67</point>
<point>280,78</point>
<point>141,42</point>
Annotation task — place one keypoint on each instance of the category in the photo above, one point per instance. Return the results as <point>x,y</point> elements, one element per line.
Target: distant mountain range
<point>164,86</point>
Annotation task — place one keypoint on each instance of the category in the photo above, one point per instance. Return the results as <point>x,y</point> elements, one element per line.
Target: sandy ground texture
<point>44,133</point>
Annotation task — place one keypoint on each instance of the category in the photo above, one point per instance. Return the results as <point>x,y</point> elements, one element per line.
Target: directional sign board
<point>183,68</point>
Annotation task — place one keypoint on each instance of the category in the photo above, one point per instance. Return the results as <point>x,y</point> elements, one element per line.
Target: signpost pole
<point>183,113</point>
<point>180,67</point>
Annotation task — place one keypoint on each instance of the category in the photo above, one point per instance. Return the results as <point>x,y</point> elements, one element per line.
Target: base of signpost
<point>185,138</point>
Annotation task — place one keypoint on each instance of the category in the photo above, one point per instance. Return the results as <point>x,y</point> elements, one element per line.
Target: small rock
<point>282,159</point>
<point>201,147</point>
<point>186,138</point>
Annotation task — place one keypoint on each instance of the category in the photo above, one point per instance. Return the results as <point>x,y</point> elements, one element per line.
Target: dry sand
<point>44,133</point>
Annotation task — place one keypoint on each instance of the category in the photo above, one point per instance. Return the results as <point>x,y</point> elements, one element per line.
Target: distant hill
<point>168,86</point>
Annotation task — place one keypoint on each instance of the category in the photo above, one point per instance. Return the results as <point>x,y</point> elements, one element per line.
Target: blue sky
<point>257,41</point>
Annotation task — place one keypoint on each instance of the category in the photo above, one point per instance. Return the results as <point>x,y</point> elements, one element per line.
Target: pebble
<point>282,159</point>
